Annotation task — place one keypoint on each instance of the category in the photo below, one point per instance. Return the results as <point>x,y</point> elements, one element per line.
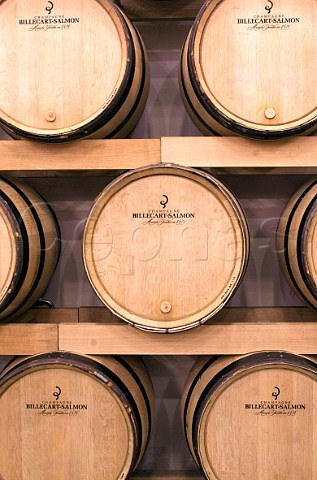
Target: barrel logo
<point>266,20</point>
<point>164,202</point>
<point>55,407</point>
<point>270,408</point>
<point>276,394</point>
<point>45,20</point>
<point>268,8</point>
<point>57,393</point>
<point>162,215</point>
<point>49,8</point>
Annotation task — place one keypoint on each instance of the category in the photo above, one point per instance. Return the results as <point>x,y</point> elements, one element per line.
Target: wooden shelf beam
<point>223,154</point>
<point>38,333</point>
<point>216,339</point>
<point>28,339</point>
<point>294,155</point>
<point>94,330</point>
<point>88,157</point>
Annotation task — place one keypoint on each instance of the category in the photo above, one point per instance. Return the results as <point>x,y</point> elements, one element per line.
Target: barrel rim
<point>217,112</point>
<point>192,111</point>
<point>305,262</point>
<point>133,365</point>
<point>100,203</point>
<point>35,259</point>
<point>98,372</point>
<point>143,89</point>
<point>232,372</point>
<point>286,261</point>
<point>105,113</point>
<point>40,230</point>
<point>16,271</point>
<point>23,252</point>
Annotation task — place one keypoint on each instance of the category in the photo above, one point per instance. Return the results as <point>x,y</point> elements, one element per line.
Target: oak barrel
<point>65,416</point>
<point>70,70</point>
<point>29,248</point>
<point>165,247</point>
<point>252,416</point>
<point>296,240</point>
<point>249,68</point>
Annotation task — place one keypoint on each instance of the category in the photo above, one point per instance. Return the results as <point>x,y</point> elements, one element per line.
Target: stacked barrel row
<point>75,71</point>
<point>176,232</point>
<point>70,416</point>
<point>135,235</point>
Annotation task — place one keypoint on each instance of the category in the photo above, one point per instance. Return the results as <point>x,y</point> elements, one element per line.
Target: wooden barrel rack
<point>233,331</point>
<point>95,330</point>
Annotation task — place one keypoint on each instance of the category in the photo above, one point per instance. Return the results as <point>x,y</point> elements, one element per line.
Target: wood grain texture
<point>259,97</point>
<point>156,10</point>
<point>22,202</point>
<point>86,156</point>
<point>90,432</point>
<point>93,83</point>
<point>238,408</point>
<point>21,339</point>
<point>239,338</point>
<point>294,154</point>
<point>111,335</point>
<point>35,237</point>
<point>176,233</point>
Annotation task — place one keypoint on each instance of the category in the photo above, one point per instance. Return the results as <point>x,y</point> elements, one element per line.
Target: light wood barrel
<point>296,243</point>
<point>65,416</point>
<point>252,416</point>
<point>249,68</point>
<point>29,248</point>
<point>70,70</point>
<point>165,247</point>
